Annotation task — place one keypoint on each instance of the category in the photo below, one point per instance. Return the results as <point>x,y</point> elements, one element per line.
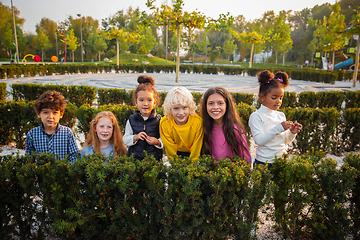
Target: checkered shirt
<point>60,143</point>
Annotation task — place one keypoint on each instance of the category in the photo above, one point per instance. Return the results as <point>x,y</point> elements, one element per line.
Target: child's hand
<point>287,124</point>
<point>152,140</point>
<point>296,128</point>
<point>140,136</point>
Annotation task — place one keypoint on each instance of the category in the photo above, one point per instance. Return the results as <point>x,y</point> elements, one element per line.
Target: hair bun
<point>264,77</point>
<point>145,79</point>
<point>283,77</point>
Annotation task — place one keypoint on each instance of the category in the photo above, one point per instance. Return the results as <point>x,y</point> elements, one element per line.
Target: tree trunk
<point>333,60</point>
<point>166,44</point>
<point>283,57</point>
<point>42,55</point>
<point>356,63</point>
<point>251,54</point>
<point>178,52</point>
<point>99,56</point>
<point>117,52</point>
<point>73,55</point>
<point>312,58</point>
<point>276,55</point>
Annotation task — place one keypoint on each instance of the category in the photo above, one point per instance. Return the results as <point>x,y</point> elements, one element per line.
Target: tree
<point>204,43</point>
<point>49,27</point>
<point>330,31</point>
<point>42,42</point>
<point>121,36</point>
<point>7,30</point>
<point>147,40</point>
<point>229,47</point>
<point>71,42</point>
<point>253,38</point>
<point>280,35</point>
<point>355,29</point>
<point>177,18</point>
<point>96,42</point>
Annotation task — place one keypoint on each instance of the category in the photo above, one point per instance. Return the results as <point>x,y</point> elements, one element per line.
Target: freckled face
<point>104,130</point>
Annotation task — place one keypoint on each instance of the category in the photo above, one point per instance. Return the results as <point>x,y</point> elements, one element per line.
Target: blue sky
<point>34,10</point>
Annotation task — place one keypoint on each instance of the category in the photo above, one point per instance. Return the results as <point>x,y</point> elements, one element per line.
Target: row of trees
<point>294,35</point>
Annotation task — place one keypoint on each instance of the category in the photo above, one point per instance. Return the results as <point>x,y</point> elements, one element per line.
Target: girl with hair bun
<point>270,130</point>
<point>142,128</point>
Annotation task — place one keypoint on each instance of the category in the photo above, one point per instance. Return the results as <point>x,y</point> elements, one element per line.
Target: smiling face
<point>50,119</point>
<point>145,102</point>
<point>104,130</point>
<point>180,114</point>
<point>273,99</point>
<point>216,108</point>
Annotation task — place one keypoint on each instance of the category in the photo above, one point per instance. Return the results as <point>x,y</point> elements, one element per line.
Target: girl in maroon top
<point>224,134</point>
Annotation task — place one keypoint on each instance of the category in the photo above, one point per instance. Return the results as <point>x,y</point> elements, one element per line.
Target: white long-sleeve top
<point>269,134</point>
<point>128,137</point>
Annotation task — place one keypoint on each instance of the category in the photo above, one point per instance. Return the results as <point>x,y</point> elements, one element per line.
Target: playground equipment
<point>54,58</point>
<point>345,56</point>
<point>344,64</point>
<point>36,58</point>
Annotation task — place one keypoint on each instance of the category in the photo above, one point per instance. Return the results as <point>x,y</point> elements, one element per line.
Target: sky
<point>59,10</point>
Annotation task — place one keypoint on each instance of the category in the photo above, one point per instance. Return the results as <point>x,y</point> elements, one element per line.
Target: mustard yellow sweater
<point>185,138</point>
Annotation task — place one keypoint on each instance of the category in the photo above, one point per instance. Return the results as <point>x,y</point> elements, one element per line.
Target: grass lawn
<point>127,58</point>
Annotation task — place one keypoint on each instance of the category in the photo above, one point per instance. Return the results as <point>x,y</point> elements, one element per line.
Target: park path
<point>165,81</point>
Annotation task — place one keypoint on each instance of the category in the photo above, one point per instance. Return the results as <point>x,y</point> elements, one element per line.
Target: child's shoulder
<point>195,117</point>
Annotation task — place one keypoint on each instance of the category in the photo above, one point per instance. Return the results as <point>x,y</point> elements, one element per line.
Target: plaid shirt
<point>60,143</point>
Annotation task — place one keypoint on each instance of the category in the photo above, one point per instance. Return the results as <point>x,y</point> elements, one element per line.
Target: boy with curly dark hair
<point>51,137</point>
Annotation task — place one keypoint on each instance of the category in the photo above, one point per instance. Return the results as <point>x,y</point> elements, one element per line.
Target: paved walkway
<point>165,81</point>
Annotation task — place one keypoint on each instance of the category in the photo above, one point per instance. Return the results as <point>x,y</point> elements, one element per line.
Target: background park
<point>317,195</point>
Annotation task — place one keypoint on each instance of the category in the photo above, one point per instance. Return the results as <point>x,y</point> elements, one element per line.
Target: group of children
<point>218,130</point>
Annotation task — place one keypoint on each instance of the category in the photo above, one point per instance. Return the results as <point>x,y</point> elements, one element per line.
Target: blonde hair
<point>178,95</point>
<point>116,138</point>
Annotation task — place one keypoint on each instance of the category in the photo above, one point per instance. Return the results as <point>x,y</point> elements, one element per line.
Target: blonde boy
<point>181,129</point>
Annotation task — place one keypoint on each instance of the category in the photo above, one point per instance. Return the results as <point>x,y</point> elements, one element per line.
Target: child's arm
<point>29,146</point>
<point>291,134</point>
<point>73,149</point>
<point>157,142</point>
<point>169,144</point>
<point>128,137</point>
<point>246,153</point>
<point>261,137</point>
<point>195,149</point>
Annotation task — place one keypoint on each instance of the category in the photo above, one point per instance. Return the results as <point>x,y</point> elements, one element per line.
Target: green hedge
<point>313,197</point>
<point>30,70</point>
<point>3,92</point>
<point>76,94</point>
<point>86,95</point>
<point>126,199</point>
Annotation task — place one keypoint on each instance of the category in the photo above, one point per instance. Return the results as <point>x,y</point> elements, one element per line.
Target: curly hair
<point>231,119</point>
<point>51,100</point>
<point>178,95</point>
<point>146,83</point>
<point>116,138</point>
<point>268,81</point>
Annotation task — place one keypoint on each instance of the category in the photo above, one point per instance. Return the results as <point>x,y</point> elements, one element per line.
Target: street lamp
<point>16,43</point>
<point>82,57</point>
<point>356,37</point>
<point>206,49</point>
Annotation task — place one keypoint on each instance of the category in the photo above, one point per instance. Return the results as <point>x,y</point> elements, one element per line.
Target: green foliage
<point>311,195</point>
<point>75,94</point>
<point>3,92</point>
<point>122,198</point>
<point>320,128</point>
<point>352,99</point>
<point>114,96</point>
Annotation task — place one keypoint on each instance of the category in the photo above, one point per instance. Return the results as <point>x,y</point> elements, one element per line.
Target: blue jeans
<point>256,162</point>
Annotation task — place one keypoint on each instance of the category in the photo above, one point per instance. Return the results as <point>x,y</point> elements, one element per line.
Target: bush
<point>3,92</point>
